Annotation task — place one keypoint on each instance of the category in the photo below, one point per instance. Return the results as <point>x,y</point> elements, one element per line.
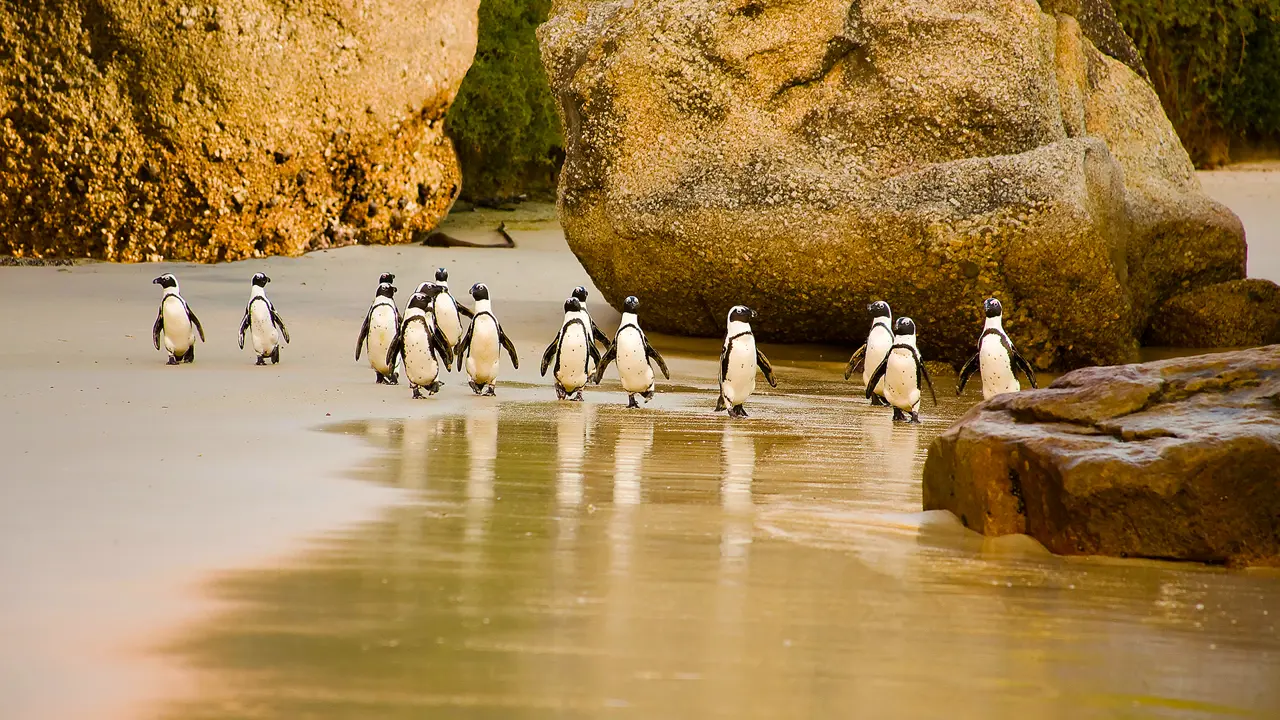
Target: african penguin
<point>872,352</point>
<point>447,311</point>
<point>738,362</point>
<point>570,352</point>
<point>596,335</point>
<point>996,359</point>
<point>419,343</point>
<point>260,315</point>
<point>901,370</point>
<point>633,352</point>
<point>381,325</point>
<point>176,322</point>
<point>481,347</point>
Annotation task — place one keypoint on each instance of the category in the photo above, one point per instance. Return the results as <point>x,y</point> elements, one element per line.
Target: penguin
<point>571,350</point>
<point>176,321</point>
<point>482,346</point>
<point>738,362</point>
<point>872,352</point>
<point>419,343</point>
<point>633,352</point>
<point>381,325</point>
<point>261,315</point>
<point>596,334</point>
<point>901,371</point>
<point>448,312</point>
<point>996,359</point>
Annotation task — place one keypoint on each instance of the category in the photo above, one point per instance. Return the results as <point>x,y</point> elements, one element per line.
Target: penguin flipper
<point>396,348</point>
<point>440,346</point>
<point>244,325</point>
<point>652,354</point>
<point>549,354</point>
<point>465,346</point>
<point>598,335</point>
<point>922,371</point>
<point>510,346</point>
<point>463,310</point>
<point>194,321</point>
<point>766,367</point>
<point>279,322</point>
<point>720,403</point>
<point>1020,362</point>
<point>364,333</point>
<point>158,327</point>
<point>608,357</point>
<point>724,366</point>
<point>877,375</point>
<point>965,372</point>
<point>857,359</point>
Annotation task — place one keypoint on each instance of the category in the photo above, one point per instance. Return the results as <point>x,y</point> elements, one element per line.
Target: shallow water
<point>566,560</point>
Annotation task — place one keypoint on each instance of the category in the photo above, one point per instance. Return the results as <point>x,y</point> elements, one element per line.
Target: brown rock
<point>1178,459</point>
<point>805,158</point>
<point>225,130</point>
<point>1240,313</point>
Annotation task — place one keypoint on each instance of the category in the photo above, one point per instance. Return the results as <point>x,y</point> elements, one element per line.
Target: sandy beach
<point>127,484</point>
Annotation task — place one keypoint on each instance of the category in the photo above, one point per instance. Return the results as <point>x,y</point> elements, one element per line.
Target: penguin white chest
<point>571,363</point>
<point>879,340</point>
<point>179,334</point>
<point>996,368</point>
<point>419,364</point>
<point>382,331</point>
<point>900,387</point>
<point>633,364</point>
<point>482,360</point>
<point>447,317</point>
<point>740,375</point>
<point>262,330</point>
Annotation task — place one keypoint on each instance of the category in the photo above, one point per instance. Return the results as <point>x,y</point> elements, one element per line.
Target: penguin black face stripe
<point>442,275</point>
<point>166,280</point>
<point>631,304</point>
<point>261,280</point>
<point>480,291</point>
<point>741,313</point>
<point>386,278</point>
<point>878,309</point>
<point>580,293</point>
<point>992,308</point>
<point>904,326</point>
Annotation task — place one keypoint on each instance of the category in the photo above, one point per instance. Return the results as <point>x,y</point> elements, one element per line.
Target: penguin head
<point>904,326</point>
<point>480,291</point>
<point>879,309</point>
<point>580,293</point>
<point>386,290</point>
<point>572,305</point>
<point>741,313</point>
<point>429,289</point>
<point>166,280</point>
<point>992,308</point>
<point>420,300</point>
<point>631,304</point>
<point>261,279</point>
<point>386,278</point>
<point>442,275</point>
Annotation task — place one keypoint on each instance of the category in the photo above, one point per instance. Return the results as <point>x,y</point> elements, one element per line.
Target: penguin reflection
<point>482,451</point>
<point>571,439</point>
<point>738,448</point>
<point>635,438</point>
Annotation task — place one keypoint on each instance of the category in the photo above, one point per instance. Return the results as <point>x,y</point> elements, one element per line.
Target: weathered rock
<point>222,130</point>
<point>805,158</point>
<point>1176,459</point>
<point>1239,313</point>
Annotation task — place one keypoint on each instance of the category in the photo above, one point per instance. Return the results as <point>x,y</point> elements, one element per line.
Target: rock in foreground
<point>222,130</point>
<point>806,158</point>
<point>1178,459</point>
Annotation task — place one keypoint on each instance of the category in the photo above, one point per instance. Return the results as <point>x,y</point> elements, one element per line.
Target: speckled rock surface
<point>1178,459</point>
<point>806,158</point>
<point>225,129</point>
<point>1240,313</point>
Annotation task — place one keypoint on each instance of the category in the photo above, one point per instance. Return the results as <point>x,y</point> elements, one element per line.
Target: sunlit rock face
<point>805,158</point>
<point>1177,459</point>
<point>225,129</point>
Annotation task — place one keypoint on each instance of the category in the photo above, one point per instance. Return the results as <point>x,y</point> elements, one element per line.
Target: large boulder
<point>1178,459</point>
<point>1239,313</point>
<point>223,130</point>
<point>807,157</point>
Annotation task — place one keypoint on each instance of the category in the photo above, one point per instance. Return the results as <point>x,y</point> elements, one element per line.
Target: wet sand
<point>174,540</point>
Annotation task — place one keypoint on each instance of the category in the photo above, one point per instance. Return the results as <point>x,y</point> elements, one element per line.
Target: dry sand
<point>126,482</point>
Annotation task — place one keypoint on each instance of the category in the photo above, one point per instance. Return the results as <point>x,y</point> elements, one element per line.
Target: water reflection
<point>573,562</point>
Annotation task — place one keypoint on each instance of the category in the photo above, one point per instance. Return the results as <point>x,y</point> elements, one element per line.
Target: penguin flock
<point>428,340</point>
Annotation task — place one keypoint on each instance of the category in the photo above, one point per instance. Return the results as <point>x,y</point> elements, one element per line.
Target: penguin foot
<point>190,357</point>
<point>262,360</point>
<point>434,387</point>
<point>647,394</point>
<point>877,401</point>
<point>737,411</point>
<point>417,394</point>
<point>381,380</point>
<point>560,393</point>
<point>477,389</point>
<point>898,416</point>
<point>489,391</point>
<point>275,356</point>
<point>915,418</point>
<point>720,404</point>
<point>393,379</point>
<point>172,360</point>
<point>631,401</point>
<point>578,397</point>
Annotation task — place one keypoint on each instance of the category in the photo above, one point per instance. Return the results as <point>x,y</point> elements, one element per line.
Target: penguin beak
<point>157,281</point>
<point>266,279</point>
<point>753,314</point>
